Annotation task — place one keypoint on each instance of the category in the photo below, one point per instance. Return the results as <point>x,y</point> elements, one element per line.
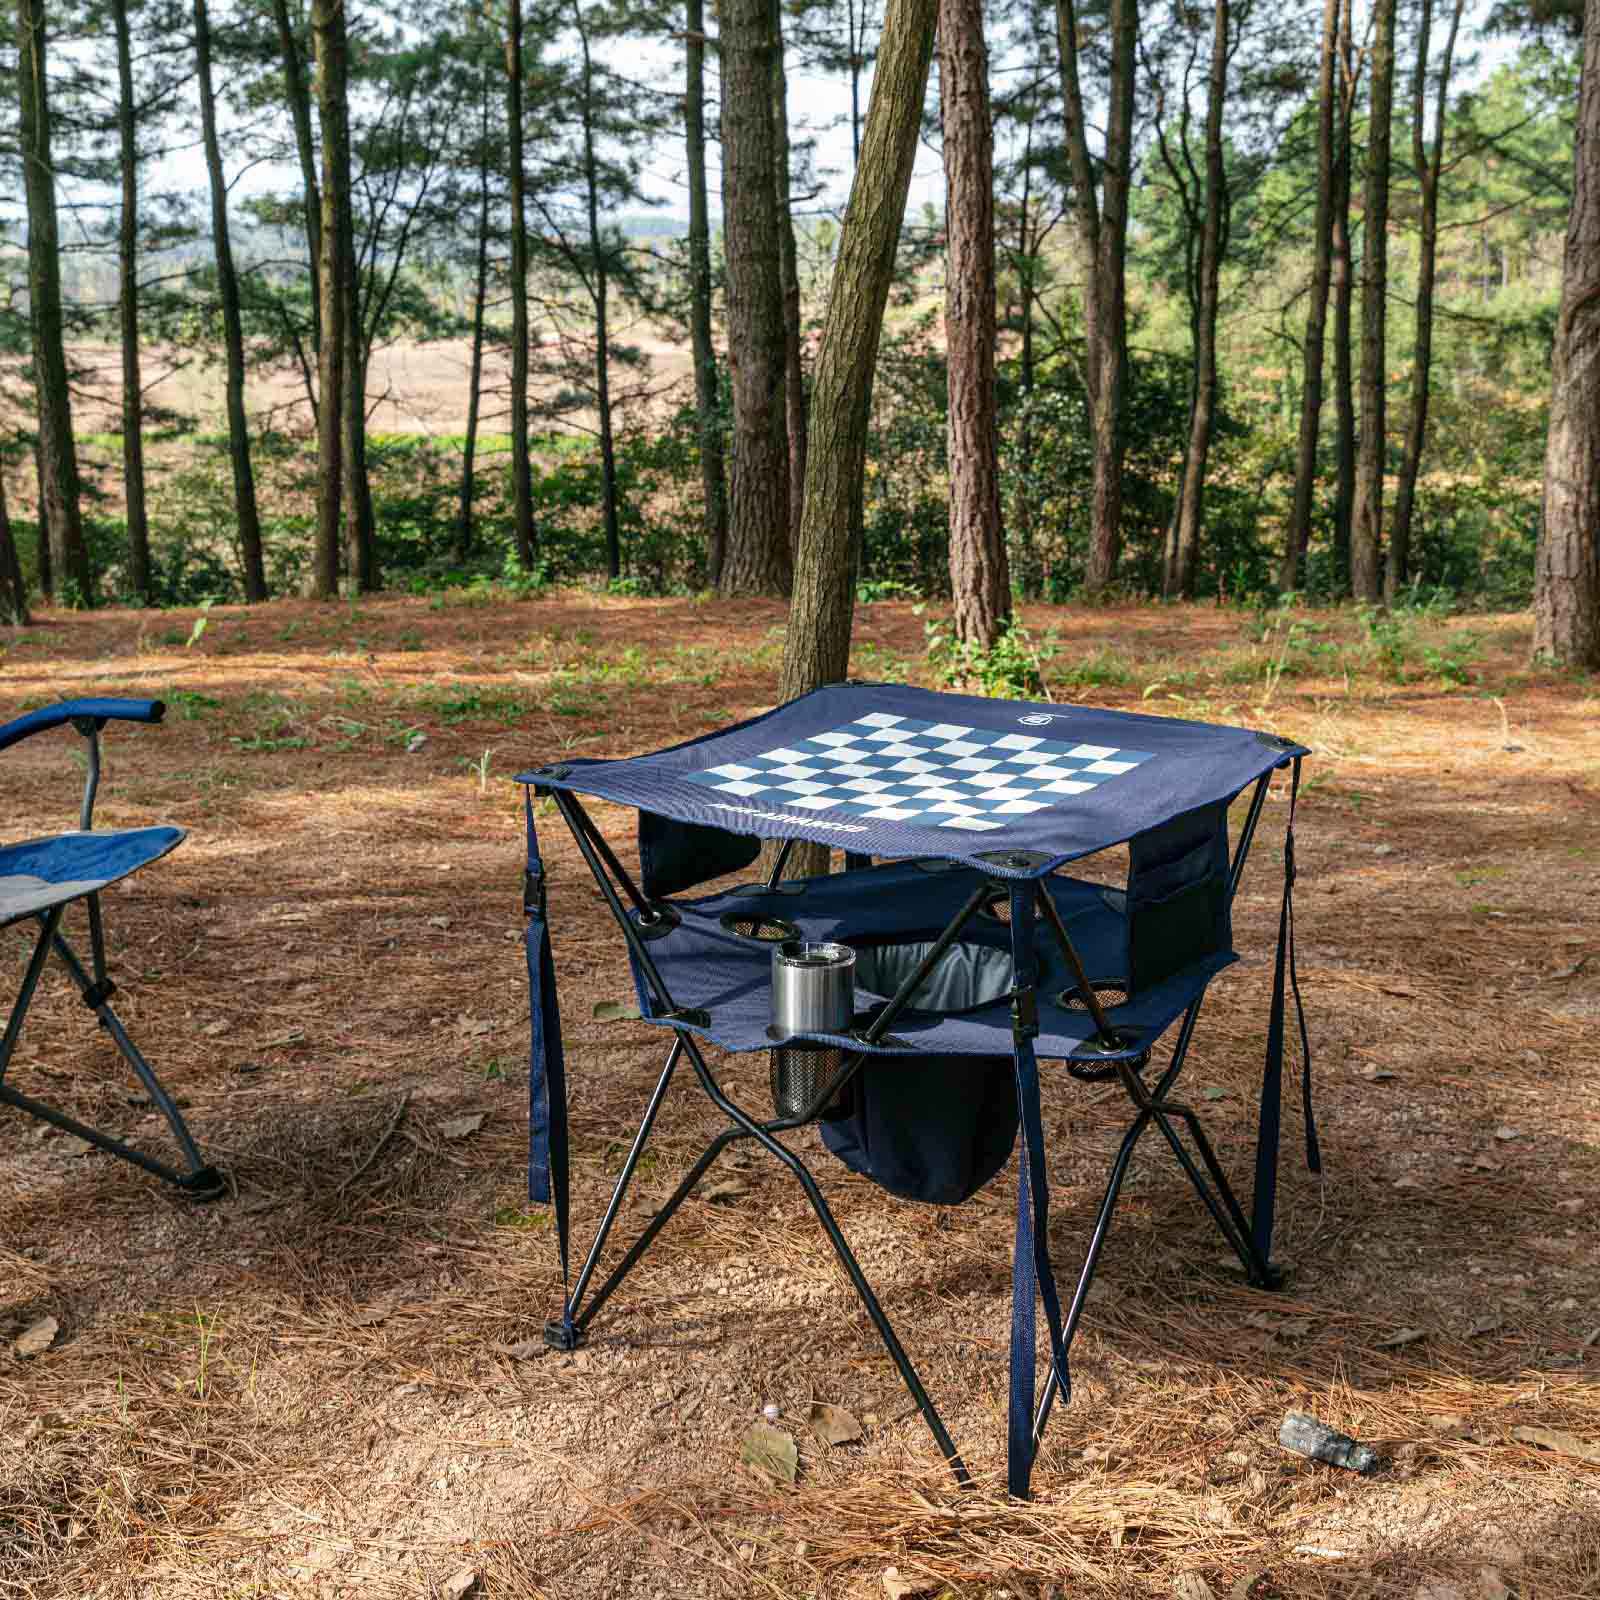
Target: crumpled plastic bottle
<point>1308,1437</point>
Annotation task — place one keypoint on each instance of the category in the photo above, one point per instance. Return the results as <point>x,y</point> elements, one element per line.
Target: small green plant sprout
<point>207,1329</point>
<point>197,632</point>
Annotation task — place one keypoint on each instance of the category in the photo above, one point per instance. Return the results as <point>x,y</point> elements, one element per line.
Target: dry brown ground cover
<point>311,1387</point>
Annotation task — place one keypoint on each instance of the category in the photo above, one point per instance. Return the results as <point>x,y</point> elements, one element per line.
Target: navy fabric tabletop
<point>889,770</point>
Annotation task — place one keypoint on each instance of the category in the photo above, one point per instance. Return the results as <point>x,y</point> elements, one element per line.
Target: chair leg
<point>201,1181</point>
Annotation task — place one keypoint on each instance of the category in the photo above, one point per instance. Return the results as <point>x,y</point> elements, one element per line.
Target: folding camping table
<point>956,815</point>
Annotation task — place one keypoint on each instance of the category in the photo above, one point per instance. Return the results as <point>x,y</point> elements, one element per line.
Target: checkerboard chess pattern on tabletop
<point>941,774</point>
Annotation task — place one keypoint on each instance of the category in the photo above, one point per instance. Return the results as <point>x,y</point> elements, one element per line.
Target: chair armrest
<point>98,711</point>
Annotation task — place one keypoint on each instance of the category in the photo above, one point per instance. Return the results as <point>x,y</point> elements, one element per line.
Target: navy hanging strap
<point>1031,1274</point>
<point>547,1073</point>
<point>1285,980</point>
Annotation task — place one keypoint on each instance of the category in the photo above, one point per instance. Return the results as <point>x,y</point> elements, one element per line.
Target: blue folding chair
<point>39,879</point>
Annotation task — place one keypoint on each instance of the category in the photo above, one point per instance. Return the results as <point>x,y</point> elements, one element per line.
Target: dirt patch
<point>318,1386</point>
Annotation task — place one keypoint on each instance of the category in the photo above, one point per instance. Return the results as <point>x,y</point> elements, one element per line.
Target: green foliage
<point>1011,668</point>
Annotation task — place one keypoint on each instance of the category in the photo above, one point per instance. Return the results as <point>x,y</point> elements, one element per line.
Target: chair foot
<point>203,1186</point>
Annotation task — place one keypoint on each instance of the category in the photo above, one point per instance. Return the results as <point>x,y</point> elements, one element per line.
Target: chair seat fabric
<point>40,873</point>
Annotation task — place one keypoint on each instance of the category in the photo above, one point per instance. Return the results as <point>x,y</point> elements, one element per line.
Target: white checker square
<point>1017,741</point>
<point>817,802</point>
<point>1009,794</point>
<point>1017,808</point>
<point>799,770</point>
<point>1111,769</point>
<point>877,719</point>
<point>956,808</point>
<point>882,736</point>
<point>854,769</point>
<point>974,764</point>
<point>960,747</point>
<point>732,769</point>
<point>1023,758</point>
<point>1051,774</point>
<point>1066,786</point>
<point>946,730</point>
<point>891,814</point>
<point>865,785</point>
<point>915,763</point>
<point>1093,752</point>
<point>975,824</point>
<point>787,755</point>
<point>988,780</point>
<point>905,747</point>
<point>735,786</point>
<point>804,786</point>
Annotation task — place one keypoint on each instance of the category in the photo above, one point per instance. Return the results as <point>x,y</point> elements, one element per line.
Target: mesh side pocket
<point>799,1075</point>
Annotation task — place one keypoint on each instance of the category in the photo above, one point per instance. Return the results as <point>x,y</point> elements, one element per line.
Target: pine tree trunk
<point>332,53</point>
<point>980,580</point>
<point>360,531</point>
<point>817,645</point>
<point>1429,165</point>
<point>758,558</point>
<point>1344,496</point>
<point>1202,411</point>
<point>713,485</point>
<point>1366,531</point>
<point>789,271</point>
<point>128,316</point>
<point>244,481</point>
<point>521,462</point>
<point>299,98</point>
<point>480,294</point>
<point>600,292</point>
<point>13,587</point>
<point>1566,596</point>
<point>63,556</point>
<point>41,545</point>
<point>1103,236</point>
<point>1305,464</point>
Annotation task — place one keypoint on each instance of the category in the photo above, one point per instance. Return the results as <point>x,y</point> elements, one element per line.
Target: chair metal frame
<point>1152,1106</point>
<point>198,1180</point>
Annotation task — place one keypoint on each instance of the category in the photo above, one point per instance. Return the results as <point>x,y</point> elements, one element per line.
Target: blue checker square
<point>938,774</point>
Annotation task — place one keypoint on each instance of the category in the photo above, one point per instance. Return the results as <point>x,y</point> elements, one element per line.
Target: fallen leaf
<point>1191,1586</point>
<point>1564,1444</point>
<point>1507,1133</point>
<point>1485,1163</point>
<point>898,1585</point>
<point>1404,1336</point>
<point>1215,1094</point>
<point>771,1450</point>
<point>722,1193</point>
<point>523,1349</point>
<point>1564,973</point>
<point>1408,1183</point>
<point>36,1338</point>
<point>1383,849</point>
<point>370,1315</point>
<point>614,1011</point>
<point>438,922</point>
<point>1491,1586</point>
<point>1487,1325</point>
<point>832,1424</point>
<point>1402,991</point>
<point>215,1030</point>
<point>460,1585</point>
<point>415,743</point>
<point>474,1027</point>
<point>1374,1074</point>
<point>460,1127</point>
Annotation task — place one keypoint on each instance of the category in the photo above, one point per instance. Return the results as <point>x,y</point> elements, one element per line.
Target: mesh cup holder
<point>1108,991</point>
<point>759,927</point>
<point>801,1073</point>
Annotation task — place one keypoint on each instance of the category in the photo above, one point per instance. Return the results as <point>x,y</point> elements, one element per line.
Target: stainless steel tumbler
<point>813,991</point>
